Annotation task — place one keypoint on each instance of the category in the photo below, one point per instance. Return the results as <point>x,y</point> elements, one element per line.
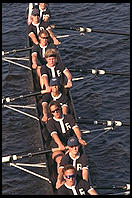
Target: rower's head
<point>43,5</point>
<point>51,56</point>
<point>43,37</point>
<point>55,109</point>
<point>69,174</point>
<point>54,84</point>
<point>73,145</point>
<point>35,15</point>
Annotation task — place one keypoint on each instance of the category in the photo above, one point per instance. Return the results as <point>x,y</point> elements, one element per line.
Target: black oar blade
<point>111,32</point>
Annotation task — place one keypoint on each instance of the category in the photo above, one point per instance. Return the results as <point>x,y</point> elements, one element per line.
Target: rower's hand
<point>61,147</point>
<point>34,66</point>
<point>48,89</point>
<point>66,150</point>
<point>82,142</point>
<point>45,118</point>
<point>69,84</point>
<point>56,42</point>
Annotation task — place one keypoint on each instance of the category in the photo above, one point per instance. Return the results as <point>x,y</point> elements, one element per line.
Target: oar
<point>124,187</point>
<point>8,99</point>
<point>16,157</point>
<point>99,72</point>
<point>102,122</point>
<point>16,50</point>
<point>85,30</point>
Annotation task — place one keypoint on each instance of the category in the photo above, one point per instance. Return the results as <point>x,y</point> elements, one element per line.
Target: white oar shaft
<point>6,159</point>
<point>79,78</point>
<point>63,36</point>
<point>25,107</point>
<point>15,58</point>
<point>39,165</point>
<point>96,130</point>
<point>98,136</point>
<point>28,171</point>
<point>18,64</point>
<point>27,114</point>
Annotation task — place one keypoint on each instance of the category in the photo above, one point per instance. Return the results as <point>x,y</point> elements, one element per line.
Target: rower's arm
<point>34,60</point>
<point>39,71</point>
<point>60,181</point>
<point>58,141</point>
<point>45,110</point>
<point>85,174</point>
<point>64,110</point>
<point>77,132</point>
<point>56,42</point>
<point>68,74</point>
<point>69,78</point>
<point>33,37</point>
<point>91,191</point>
<point>44,82</point>
<point>79,135</point>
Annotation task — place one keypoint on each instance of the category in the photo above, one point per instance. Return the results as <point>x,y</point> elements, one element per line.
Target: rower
<point>45,13</point>
<point>38,51</point>
<point>54,95</point>
<point>54,68</point>
<point>74,185</point>
<point>35,26</point>
<point>77,158</point>
<point>61,127</point>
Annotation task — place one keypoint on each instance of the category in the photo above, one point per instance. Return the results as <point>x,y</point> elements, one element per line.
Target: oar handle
<point>8,158</point>
<point>58,149</point>
<point>127,187</point>
<point>110,32</point>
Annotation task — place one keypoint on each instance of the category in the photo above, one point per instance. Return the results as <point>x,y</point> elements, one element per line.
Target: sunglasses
<point>36,15</point>
<point>44,37</point>
<point>70,176</point>
<point>56,110</point>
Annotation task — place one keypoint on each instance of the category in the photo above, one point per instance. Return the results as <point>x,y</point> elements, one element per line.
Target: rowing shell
<point>44,135</point>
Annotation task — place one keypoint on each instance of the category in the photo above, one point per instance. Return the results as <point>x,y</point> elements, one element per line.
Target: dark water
<point>97,98</point>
